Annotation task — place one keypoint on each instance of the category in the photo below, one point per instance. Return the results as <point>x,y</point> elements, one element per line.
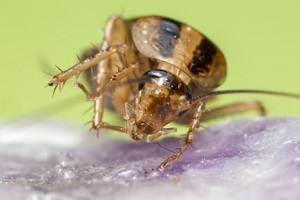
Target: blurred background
<point>260,39</point>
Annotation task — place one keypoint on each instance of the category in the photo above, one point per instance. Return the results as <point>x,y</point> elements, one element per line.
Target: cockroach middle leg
<point>188,138</point>
<point>83,65</point>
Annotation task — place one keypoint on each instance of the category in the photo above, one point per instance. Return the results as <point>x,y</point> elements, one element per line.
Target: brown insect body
<point>165,66</point>
<point>169,53</point>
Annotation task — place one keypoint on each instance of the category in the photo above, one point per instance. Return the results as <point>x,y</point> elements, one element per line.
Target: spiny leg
<point>96,77</point>
<point>98,111</point>
<point>217,112</point>
<point>115,80</point>
<point>98,96</point>
<point>85,64</point>
<point>103,79</point>
<point>188,138</point>
<point>234,108</point>
<point>102,83</point>
<point>98,80</point>
<point>123,73</point>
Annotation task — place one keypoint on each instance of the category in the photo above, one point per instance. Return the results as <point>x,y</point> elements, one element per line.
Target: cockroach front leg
<point>188,138</point>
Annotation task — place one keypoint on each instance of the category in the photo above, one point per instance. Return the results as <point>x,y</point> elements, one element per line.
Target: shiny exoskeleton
<point>151,70</point>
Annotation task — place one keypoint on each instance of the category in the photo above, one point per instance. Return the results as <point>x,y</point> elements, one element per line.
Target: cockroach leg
<point>123,73</point>
<point>188,138</point>
<point>84,90</point>
<point>234,108</point>
<point>114,80</point>
<point>89,96</point>
<point>98,115</point>
<point>84,65</point>
<point>98,111</point>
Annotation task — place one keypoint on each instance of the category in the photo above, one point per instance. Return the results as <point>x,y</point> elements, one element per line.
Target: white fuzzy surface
<point>244,159</point>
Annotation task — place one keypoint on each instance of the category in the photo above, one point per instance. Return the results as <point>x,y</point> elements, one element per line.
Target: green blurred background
<point>260,39</point>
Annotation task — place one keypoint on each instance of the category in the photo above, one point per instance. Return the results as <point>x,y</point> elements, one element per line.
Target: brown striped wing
<point>181,46</point>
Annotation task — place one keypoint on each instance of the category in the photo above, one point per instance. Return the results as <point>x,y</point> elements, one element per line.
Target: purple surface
<point>244,159</point>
